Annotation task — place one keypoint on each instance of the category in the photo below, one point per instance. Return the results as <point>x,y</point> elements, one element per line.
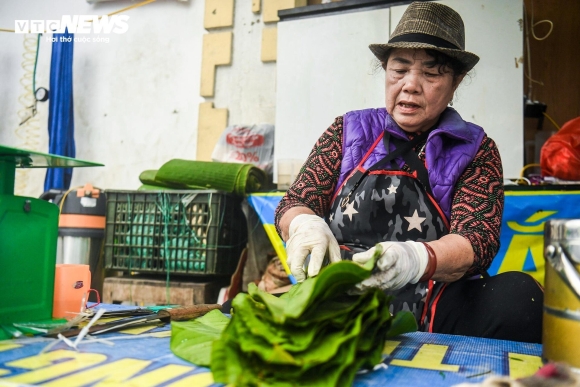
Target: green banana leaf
<point>314,335</point>
<point>236,178</point>
<point>243,370</point>
<point>334,311</point>
<point>301,336</point>
<point>402,323</point>
<point>192,340</point>
<point>333,279</point>
<point>308,357</point>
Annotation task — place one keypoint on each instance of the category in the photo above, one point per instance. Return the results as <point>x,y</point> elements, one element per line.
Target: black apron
<point>384,203</point>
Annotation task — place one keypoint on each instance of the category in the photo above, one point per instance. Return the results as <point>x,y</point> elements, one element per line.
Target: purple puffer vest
<point>450,148</point>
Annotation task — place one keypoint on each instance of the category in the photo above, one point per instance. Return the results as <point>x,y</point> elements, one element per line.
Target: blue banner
<point>522,228</point>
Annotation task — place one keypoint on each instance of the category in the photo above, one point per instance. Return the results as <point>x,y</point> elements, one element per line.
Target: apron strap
<point>413,161</point>
<point>401,148</point>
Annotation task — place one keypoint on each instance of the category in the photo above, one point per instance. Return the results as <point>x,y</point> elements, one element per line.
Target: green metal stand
<point>28,237</point>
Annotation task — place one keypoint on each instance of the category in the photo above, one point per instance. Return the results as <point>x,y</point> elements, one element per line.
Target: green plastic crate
<point>183,232</point>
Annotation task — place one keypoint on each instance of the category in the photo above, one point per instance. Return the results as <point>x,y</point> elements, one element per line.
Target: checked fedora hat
<point>428,25</point>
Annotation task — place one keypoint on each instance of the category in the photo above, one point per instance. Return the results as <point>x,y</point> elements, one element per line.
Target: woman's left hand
<point>399,264</point>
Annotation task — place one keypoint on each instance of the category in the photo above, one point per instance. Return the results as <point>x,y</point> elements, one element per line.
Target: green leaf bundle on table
<point>317,334</point>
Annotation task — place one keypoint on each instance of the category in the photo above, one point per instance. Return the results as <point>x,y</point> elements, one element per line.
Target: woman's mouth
<point>408,106</point>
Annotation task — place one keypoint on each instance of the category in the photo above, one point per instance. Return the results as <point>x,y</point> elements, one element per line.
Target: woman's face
<point>415,91</point>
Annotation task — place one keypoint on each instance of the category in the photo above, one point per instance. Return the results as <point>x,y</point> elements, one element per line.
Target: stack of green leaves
<point>315,335</point>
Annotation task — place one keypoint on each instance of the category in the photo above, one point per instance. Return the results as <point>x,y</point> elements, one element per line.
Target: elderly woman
<point>421,182</point>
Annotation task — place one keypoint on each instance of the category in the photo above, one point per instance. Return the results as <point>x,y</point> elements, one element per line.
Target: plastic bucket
<point>561,317</point>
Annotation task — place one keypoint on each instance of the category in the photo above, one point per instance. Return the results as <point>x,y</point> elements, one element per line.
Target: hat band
<point>423,38</point>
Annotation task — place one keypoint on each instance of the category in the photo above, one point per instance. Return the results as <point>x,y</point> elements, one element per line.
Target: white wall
<point>324,70</point>
<point>247,87</point>
<point>135,98</point>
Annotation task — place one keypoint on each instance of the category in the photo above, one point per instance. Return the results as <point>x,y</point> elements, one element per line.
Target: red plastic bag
<point>560,154</point>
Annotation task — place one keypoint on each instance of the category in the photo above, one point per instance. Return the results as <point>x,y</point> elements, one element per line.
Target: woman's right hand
<point>309,234</point>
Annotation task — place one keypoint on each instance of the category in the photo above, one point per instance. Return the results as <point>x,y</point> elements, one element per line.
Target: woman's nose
<point>412,83</point>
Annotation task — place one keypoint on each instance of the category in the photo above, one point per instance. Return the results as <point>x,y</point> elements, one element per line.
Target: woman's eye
<point>431,74</point>
<point>398,71</point>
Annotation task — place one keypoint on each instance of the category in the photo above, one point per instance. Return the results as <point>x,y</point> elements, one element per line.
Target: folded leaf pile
<point>315,335</point>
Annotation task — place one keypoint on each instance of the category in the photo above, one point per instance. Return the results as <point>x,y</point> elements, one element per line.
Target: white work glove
<point>309,234</point>
<point>399,264</point>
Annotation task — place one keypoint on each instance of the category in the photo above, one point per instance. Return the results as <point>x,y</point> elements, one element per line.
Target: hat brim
<point>467,58</point>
